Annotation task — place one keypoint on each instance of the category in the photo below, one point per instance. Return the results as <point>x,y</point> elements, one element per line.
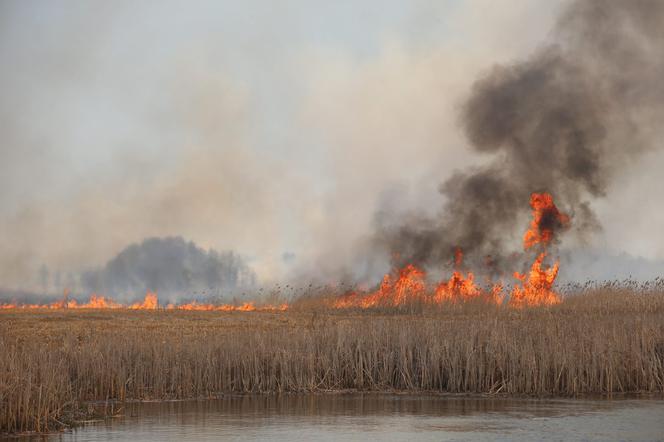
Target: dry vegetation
<point>53,363</point>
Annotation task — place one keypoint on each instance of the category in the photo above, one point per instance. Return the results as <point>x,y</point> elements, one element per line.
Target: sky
<point>274,129</point>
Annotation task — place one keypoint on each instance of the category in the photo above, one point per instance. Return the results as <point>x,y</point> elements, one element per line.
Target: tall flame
<point>546,219</point>
<point>407,285</point>
<point>403,287</point>
<point>533,289</point>
<point>149,303</point>
<point>536,285</point>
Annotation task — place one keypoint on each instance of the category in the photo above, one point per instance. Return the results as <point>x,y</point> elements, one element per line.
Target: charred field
<point>58,366</point>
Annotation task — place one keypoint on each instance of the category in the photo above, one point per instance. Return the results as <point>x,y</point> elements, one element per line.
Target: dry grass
<point>53,363</point>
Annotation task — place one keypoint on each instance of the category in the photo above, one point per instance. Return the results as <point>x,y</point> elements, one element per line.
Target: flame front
<point>408,285</point>
<point>457,288</point>
<point>150,302</point>
<point>532,289</point>
<point>536,286</point>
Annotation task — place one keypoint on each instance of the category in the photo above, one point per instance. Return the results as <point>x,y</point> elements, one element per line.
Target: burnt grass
<point>55,365</point>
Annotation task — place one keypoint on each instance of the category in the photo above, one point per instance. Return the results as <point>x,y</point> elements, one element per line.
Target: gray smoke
<point>563,121</point>
<point>172,267</point>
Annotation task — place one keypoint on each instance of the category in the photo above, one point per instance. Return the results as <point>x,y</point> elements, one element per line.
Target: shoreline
<point>591,345</point>
<point>73,424</point>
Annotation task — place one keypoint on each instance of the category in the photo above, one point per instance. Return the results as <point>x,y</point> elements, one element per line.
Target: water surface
<point>365,417</point>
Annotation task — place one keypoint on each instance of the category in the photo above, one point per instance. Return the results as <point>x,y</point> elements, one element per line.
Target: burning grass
<point>408,285</point>
<point>55,362</point>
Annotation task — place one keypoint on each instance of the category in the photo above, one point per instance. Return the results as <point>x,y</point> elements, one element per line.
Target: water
<point>365,417</point>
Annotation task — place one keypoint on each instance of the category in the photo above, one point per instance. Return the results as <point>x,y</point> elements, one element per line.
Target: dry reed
<point>53,363</point>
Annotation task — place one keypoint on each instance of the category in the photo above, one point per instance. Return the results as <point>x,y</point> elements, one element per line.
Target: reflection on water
<point>382,417</point>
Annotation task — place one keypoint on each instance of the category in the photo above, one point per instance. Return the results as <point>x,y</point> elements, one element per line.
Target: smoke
<point>273,132</point>
<point>562,121</point>
<point>222,123</point>
<point>590,264</point>
<point>173,268</point>
<point>103,145</point>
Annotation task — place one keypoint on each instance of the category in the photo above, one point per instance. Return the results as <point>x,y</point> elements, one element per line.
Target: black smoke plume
<point>563,121</point>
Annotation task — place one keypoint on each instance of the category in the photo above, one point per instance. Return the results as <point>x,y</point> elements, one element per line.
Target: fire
<point>400,288</point>
<point>536,285</point>
<point>533,289</point>
<point>95,302</point>
<point>150,302</point>
<point>546,219</point>
<point>405,286</point>
<point>408,286</point>
<point>457,288</point>
<point>458,257</point>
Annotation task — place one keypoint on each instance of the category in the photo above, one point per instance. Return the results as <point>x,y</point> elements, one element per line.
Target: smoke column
<point>562,121</point>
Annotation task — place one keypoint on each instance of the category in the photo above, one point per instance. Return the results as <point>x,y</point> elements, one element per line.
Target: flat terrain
<point>54,363</point>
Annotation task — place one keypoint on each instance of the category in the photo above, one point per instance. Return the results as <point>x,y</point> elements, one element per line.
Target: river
<point>357,416</point>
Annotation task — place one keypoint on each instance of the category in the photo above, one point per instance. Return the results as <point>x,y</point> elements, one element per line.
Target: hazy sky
<point>263,127</point>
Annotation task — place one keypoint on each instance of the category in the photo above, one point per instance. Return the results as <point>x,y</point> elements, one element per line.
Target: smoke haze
<point>171,267</point>
<point>563,121</point>
<point>276,133</point>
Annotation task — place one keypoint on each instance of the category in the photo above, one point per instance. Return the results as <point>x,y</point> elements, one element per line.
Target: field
<point>55,363</point>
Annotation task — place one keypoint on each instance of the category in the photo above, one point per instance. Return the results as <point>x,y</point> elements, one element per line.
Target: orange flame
<point>457,288</point>
<point>95,302</point>
<point>546,218</point>
<point>150,302</point>
<point>536,286</point>
<point>396,290</point>
<point>458,257</point>
<point>406,285</point>
<point>399,288</point>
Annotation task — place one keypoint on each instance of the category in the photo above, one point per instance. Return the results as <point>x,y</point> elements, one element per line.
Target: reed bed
<point>54,363</point>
